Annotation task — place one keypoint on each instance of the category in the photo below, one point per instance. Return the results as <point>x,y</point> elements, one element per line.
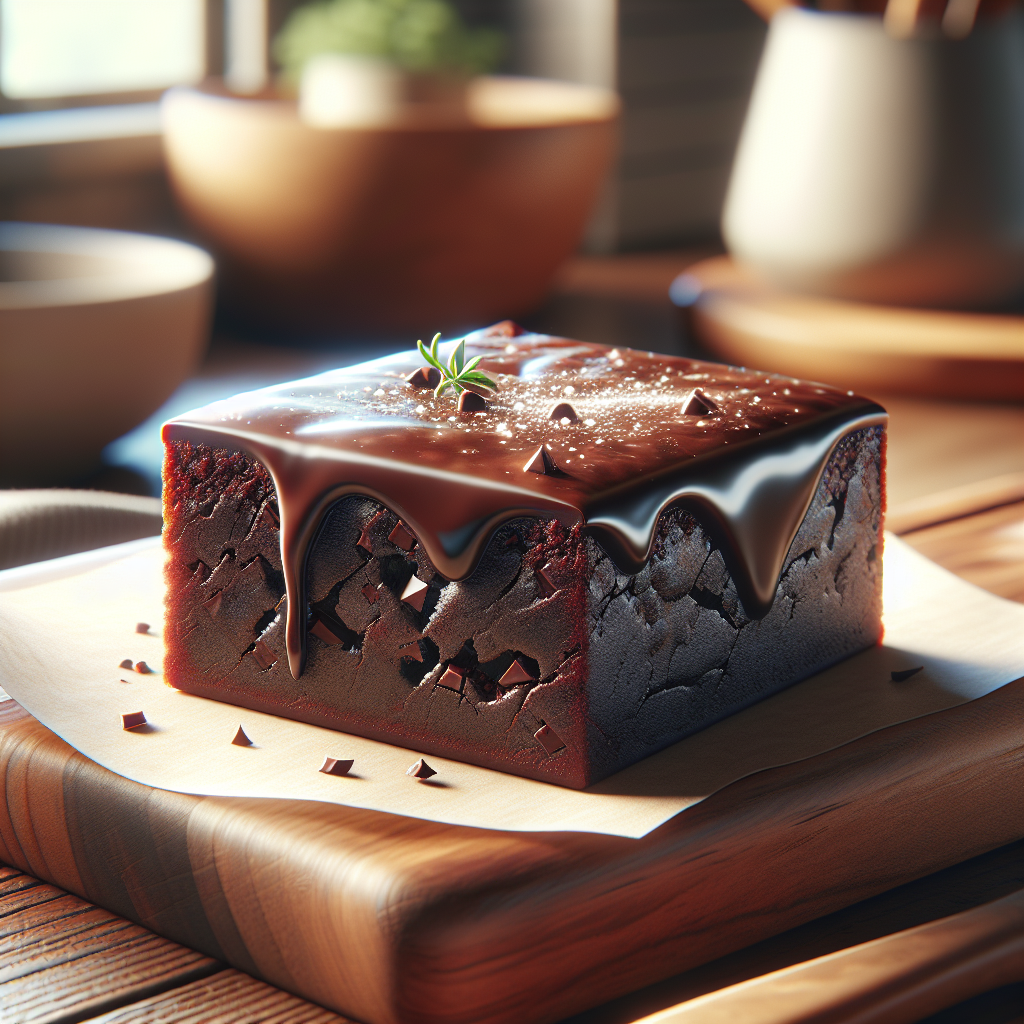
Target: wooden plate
<point>852,345</point>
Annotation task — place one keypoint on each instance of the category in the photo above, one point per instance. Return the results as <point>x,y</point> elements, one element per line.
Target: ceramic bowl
<point>97,328</point>
<point>422,223</point>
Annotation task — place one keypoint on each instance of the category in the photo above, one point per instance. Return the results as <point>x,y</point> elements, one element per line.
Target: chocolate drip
<point>748,468</point>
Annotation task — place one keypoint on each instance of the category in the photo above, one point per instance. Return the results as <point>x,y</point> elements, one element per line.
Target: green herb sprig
<point>458,374</point>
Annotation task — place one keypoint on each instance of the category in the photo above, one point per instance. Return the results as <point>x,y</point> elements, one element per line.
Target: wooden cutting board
<point>390,919</point>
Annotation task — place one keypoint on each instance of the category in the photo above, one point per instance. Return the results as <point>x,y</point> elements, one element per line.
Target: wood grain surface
<point>892,980</point>
<point>868,348</point>
<point>60,957</point>
<point>962,887</point>
<point>391,919</point>
<point>985,549</point>
<point>227,997</point>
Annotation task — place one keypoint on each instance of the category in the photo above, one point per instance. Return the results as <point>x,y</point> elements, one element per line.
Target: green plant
<point>417,35</point>
<point>458,374</point>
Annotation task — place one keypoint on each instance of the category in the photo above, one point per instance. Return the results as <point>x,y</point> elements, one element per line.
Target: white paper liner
<point>66,624</point>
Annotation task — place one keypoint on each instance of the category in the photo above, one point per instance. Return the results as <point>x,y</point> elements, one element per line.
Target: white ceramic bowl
<point>97,328</point>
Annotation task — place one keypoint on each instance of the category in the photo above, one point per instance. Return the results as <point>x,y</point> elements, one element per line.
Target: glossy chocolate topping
<point>622,453</point>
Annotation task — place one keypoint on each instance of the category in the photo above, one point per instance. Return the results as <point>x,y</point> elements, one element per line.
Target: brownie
<point>554,608</point>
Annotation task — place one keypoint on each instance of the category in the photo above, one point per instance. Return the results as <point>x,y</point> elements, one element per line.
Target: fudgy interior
<point>607,667</point>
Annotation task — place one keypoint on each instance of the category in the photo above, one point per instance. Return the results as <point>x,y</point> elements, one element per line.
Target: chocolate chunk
<point>415,593</point>
<point>452,680</point>
<point>470,401</point>
<point>141,627</point>
<point>412,651</point>
<point>563,411</point>
<point>698,404</point>
<point>370,593</point>
<point>402,538</point>
<point>504,329</point>
<point>241,740</point>
<point>336,766</point>
<point>133,720</point>
<point>213,604</point>
<point>546,579</point>
<point>541,462</point>
<point>143,669</point>
<point>421,770</point>
<point>322,631</point>
<point>264,656</point>
<point>127,663</point>
<point>425,377</point>
<point>903,674</point>
<point>514,675</point>
<point>548,739</point>
<point>270,515</point>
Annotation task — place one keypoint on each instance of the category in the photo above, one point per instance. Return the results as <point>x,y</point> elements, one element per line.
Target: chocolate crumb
<point>451,680</point>
<point>263,654</point>
<point>469,401</point>
<point>241,740</point>
<point>548,739</point>
<point>425,377</point>
<point>402,538</point>
<point>322,631</point>
<point>336,766</point>
<point>902,674</point>
<point>541,462</point>
<point>127,663</point>
<point>143,669</point>
<point>514,675</point>
<point>370,593</point>
<point>141,627</point>
<point>563,411</point>
<point>415,593</point>
<point>421,770</point>
<point>698,404</point>
<point>133,720</point>
<point>212,605</point>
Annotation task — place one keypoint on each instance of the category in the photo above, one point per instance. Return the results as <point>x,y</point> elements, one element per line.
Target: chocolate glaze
<point>748,469</point>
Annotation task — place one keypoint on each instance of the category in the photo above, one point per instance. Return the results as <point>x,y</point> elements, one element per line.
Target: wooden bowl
<point>97,328</point>
<point>428,223</point>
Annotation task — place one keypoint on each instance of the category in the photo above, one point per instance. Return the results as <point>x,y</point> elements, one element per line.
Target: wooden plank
<point>227,997</point>
<point>955,503</point>
<point>389,919</point>
<point>62,958</point>
<point>893,980</point>
<point>986,549</point>
<point>961,887</point>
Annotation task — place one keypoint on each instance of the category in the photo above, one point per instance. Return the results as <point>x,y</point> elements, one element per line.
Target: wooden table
<point>62,959</point>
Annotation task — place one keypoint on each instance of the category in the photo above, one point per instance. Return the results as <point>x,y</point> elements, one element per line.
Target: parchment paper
<point>62,637</point>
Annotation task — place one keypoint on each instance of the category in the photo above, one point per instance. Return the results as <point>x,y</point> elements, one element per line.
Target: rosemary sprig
<point>458,374</point>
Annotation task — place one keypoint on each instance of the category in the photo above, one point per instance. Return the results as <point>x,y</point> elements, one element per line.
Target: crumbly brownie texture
<point>547,661</point>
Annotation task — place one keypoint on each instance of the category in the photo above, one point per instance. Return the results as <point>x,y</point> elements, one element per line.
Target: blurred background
<point>835,193</point>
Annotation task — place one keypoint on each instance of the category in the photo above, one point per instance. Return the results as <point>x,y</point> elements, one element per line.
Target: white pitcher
<point>884,170</point>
